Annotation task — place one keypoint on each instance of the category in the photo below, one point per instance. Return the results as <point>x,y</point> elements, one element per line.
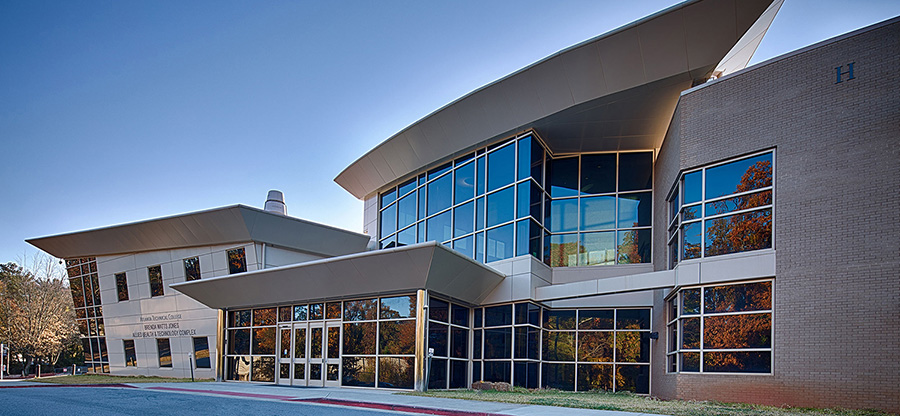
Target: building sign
<point>162,326</point>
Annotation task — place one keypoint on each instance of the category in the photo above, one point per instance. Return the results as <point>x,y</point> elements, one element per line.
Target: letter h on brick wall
<point>840,72</point>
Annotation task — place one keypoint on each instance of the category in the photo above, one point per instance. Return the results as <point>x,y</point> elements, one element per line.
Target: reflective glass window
<point>635,210</point>
<point>563,177</point>
<point>598,248</point>
<point>459,315</point>
<point>531,159</point>
<point>407,186</point>
<point>499,243</point>
<point>360,310</point>
<point>465,245</point>
<point>164,352</point>
<point>479,214</point>
<point>388,220</point>
<point>397,337</point>
<point>398,307</point>
<point>738,298</point>
<point>316,311</point>
<point>564,215</point>
<point>500,207</point>
<point>358,371</point>
<point>156,280</point>
<point>498,315</point>
<point>496,371</point>
<point>434,173</point>
<point>406,236</point>
<point>440,194</point>
<point>633,378</point>
<point>479,176</point>
<point>439,227</point>
<point>406,211</point>
<point>595,319</point>
<point>439,310</point>
<point>130,354</point>
<point>192,269</point>
<point>420,237</point>
<point>464,183</point>
<point>237,260</point>
<point>300,313</point>
<point>359,338</point>
<point>693,187</point>
<point>262,369</point>
<point>559,319</point>
<point>598,213</point>
<point>563,250</point>
<point>437,338</point>
<point>387,198</point>
<point>634,246</point>
<point>595,377</point>
<point>739,176</point>
<point>121,287</point>
<point>263,341</point>
<point>201,352</point>
<point>396,372</point>
<point>739,232</point>
<point>559,346</point>
<point>635,171</point>
<point>690,240</point>
<point>501,167</point>
<point>747,201</point>
<point>558,376</point>
<point>479,246</point>
<point>464,219</point>
<point>598,173</point>
<point>498,343</point>
<point>423,203</point>
<point>528,238</point>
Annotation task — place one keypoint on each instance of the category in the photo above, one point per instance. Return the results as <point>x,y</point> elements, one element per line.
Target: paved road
<point>99,401</point>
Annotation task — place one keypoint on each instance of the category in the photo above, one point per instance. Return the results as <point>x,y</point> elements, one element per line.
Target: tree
<point>37,317</point>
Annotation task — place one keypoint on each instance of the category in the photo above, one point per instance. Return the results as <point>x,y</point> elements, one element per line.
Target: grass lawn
<point>110,379</point>
<point>633,403</point>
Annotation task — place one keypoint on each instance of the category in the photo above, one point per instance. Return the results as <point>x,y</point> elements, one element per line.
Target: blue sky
<point>113,112</point>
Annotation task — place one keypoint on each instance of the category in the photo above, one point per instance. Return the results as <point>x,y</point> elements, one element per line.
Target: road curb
<point>396,407</point>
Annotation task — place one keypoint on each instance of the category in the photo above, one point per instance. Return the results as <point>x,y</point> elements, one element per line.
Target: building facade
<point>605,219</point>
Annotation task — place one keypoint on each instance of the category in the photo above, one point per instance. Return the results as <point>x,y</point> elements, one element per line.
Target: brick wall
<point>837,218</point>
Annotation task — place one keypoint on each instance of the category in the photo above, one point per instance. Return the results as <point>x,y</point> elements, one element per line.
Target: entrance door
<point>300,354</point>
<point>283,373</point>
<point>316,375</point>
<point>333,354</point>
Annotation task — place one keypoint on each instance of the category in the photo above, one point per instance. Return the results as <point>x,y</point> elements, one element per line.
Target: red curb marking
<point>225,393</point>
<point>396,407</point>
<point>69,385</point>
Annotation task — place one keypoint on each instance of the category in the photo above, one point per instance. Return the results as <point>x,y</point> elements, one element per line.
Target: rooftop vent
<point>275,203</point>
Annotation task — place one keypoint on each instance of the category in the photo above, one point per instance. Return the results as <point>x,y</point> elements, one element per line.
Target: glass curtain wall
<point>721,329</point>
<point>567,349</point>
<point>486,205</point>
<point>514,199</point>
<point>376,344</point>
<point>85,287</point>
<point>448,335</point>
<point>722,209</point>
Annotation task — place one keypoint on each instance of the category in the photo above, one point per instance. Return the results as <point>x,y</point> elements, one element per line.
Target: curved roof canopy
<point>382,272</point>
<point>614,92</point>
<point>226,225</point>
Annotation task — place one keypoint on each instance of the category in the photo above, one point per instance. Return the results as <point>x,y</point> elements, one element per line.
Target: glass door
<point>316,375</point>
<point>333,354</point>
<point>283,373</point>
<point>299,357</point>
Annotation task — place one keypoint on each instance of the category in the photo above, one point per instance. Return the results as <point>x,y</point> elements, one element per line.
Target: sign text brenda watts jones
<point>162,326</point>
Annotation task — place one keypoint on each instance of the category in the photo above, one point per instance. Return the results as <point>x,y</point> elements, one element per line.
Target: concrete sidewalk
<point>365,398</point>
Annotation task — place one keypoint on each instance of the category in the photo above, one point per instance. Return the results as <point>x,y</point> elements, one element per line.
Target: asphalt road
<point>100,401</point>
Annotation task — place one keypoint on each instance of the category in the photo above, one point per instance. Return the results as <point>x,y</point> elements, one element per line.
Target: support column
<point>220,345</point>
<point>419,381</point>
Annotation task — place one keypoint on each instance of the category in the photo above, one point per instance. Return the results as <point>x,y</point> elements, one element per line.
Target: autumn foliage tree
<point>36,314</point>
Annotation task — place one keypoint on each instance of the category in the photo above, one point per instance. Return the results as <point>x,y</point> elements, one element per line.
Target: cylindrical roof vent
<point>275,203</point>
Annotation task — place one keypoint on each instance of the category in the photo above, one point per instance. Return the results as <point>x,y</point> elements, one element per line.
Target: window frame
<point>121,286</point>
<point>132,358</point>
<point>243,259</point>
<point>154,283</point>
<point>675,218</point>
<point>187,276</point>
<point>674,306</point>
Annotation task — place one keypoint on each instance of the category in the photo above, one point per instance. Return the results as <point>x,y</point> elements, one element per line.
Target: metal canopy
<point>400,270</point>
<point>614,92</point>
<point>232,224</point>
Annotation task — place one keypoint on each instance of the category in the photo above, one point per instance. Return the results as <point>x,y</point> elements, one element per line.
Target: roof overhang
<point>400,270</point>
<point>227,225</point>
<point>614,92</point>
